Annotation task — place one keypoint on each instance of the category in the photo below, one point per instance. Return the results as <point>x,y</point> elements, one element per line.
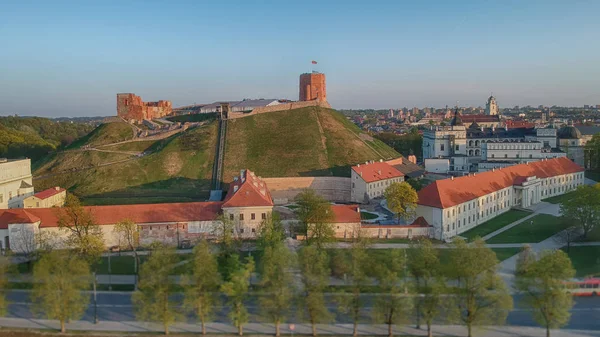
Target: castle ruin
<point>131,108</point>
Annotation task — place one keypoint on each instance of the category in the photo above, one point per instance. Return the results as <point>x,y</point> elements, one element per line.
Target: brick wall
<point>284,190</point>
<point>131,108</point>
<point>312,87</point>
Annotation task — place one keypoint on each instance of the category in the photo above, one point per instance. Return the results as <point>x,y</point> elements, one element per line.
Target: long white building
<point>453,206</point>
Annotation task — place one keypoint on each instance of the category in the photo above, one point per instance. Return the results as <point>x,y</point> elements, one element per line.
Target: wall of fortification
<point>284,190</point>
<point>279,107</point>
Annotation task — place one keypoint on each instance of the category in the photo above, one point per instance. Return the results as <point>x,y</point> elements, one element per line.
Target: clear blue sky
<point>70,58</point>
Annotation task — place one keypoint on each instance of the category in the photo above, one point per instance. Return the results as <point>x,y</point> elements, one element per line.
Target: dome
<point>568,132</point>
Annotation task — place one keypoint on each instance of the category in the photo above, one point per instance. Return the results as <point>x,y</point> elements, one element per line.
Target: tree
<point>425,268</point>
<point>237,292</point>
<point>202,286</point>
<point>315,277</point>
<point>152,300</point>
<point>59,281</point>
<point>583,208</point>
<point>542,281</point>
<point>228,238</point>
<point>84,234</point>
<point>315,215</point>
<point>401,199</point>
<point>128,233</point>
<point>567,236</point>
<point>481,295</point>
<point>392,306</point>
<point>31,243</point>
<point>277,283</point>
<point>270,231</point>
<point>5,268</point>
<point>352,303</point>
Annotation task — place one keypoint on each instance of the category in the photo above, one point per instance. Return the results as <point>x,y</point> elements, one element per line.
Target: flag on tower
<point>314,62</point>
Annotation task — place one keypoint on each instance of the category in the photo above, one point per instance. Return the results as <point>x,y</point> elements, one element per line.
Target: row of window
<point>263,216</point>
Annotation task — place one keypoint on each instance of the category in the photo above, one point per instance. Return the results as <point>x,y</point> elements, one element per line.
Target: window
<point>505,156</point>
<point>230,216</point>
<point>517,155</point>
<point>493,155</point>
<point>253,230</point>
<point>441,147</point>
<point>241,216</point>
<point>456,147</point>
<point>37,204</point>
<point>263,216</point>
<point>242,230</point>
<point>252,216</point>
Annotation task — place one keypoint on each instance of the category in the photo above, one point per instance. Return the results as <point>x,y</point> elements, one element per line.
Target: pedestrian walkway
<point>287,329</point>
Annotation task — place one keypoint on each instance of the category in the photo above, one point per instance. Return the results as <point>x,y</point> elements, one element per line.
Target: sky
<point>71,58</point>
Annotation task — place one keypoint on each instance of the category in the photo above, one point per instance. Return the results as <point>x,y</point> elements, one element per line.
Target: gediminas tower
<point>312,87</point>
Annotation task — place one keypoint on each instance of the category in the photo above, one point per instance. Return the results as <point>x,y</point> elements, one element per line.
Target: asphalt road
<point>118,307</point>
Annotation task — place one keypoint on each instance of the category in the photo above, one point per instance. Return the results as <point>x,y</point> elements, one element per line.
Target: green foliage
<point>535,229</point>
<point>583,208</point>
<point>592,153</point>
<point>59,279</point>
<point>407,144</point>
<point>542,281</point>
<point>270,232</point>
<point>202,285</point>
<point>35,137</point>
<point>401,199</point>
<point>315,215</point>
<point>392,307</point>
<point>315,277</point>
<point>5,268</point>
<point>425,268</point>
<point>236,291</point>
<point>277,283</point>
<point>84,234</point>
<point>152,300</point>
<point>494,224</point>
<point>106,133</point>
<point>481,295</point>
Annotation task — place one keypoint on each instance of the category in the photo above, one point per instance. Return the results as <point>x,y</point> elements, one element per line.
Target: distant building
<point>453,206</point>
<point>15,182</point>
<point>572,140</point>
<point>52,197</point>
<point>246,105</point>
<point>370,180</point>
<point>132,109</point>
<point>312,87</point>
<point>491,107</point>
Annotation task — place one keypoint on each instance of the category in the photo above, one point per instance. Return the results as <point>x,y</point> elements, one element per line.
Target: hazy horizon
<point>71,59</point>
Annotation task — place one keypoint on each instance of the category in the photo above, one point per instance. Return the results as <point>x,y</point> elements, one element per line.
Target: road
<point>116,306</point>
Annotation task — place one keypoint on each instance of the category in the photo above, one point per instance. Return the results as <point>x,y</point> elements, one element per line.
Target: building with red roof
<point>248,203</point>
<point>52,197</point>
<point>455,205</point>
<point>369,180</point>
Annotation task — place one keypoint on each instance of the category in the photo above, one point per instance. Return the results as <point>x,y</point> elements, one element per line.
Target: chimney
<point>412,158</point>
<point>380,160</point>
<point>452,177</point>
<point>357,165</point>
<point>57,188</point>
<point>379,172</point>
<point>493,169</point>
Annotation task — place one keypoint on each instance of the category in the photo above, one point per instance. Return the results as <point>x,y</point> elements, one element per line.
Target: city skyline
<point>70,59</point>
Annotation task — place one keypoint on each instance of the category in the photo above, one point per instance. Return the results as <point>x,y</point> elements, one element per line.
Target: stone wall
<point>279,107</point>
<point>131,108</point>
<point>284,190</point>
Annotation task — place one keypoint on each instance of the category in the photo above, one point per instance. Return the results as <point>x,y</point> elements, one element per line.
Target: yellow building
<point>52,197</point>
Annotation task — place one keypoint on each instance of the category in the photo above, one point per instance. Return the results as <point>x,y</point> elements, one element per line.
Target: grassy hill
<point>107,133</point>
<point>302,142</point>
<point>179,168</point>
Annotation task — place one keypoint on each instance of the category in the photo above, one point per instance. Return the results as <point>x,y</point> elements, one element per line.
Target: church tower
<point>491,107</point>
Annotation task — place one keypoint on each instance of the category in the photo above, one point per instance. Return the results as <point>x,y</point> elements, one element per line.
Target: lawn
<point>494,224</point>
<point>558,199</point>
<point>536,229</point>
<point>364,215</point>
<point>586,260</point>
<point>197,117</point>
<point>504,253</point>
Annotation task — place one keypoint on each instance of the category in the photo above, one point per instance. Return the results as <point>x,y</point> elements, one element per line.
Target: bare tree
<point>567,236</point>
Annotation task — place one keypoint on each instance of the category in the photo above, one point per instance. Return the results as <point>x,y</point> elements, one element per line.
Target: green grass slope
<point>179,168</point>
<point>107,133</point>
<point>311,141</point>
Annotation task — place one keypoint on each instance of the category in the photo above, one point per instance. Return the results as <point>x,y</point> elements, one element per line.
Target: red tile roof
<point>109,215</point>
<point>451,192</point>
<point>376,171</point>
<point>16,216</point>
<point>346,213</point>
<point>247,191</point>
<point>479,118</point>
<point>49,192</point>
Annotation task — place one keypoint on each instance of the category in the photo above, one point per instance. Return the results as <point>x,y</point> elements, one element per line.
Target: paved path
<point>507,227</point>
<point>305,329</point>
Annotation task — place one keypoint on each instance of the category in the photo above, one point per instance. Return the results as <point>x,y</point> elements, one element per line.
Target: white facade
<point>247,219</point>
<point>15,182</point>
<point>452,221</point>
<point>363,191</point>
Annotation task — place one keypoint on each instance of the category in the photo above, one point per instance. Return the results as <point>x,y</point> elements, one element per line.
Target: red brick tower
<point>312,87</point>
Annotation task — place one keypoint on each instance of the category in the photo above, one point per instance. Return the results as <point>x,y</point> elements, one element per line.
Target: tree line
<point>422,284</point>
